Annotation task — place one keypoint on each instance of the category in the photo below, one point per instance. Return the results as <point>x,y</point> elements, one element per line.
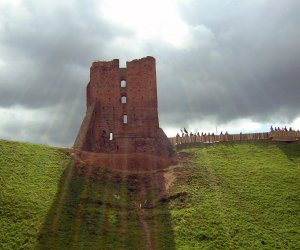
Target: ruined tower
<point>121,114</point>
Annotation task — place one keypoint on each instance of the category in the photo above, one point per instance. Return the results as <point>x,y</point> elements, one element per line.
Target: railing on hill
<point>211,138</point>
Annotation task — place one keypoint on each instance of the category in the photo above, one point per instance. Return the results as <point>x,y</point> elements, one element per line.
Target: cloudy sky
<point>227,65</point>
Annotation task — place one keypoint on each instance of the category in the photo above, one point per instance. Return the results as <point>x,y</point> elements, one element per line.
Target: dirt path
<point>146,229</point>
<point>169,177</point>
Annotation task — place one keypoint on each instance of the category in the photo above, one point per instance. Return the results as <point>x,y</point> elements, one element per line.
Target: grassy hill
<point>29,177</point>
<point>241,195</point>
<point>225,196</point>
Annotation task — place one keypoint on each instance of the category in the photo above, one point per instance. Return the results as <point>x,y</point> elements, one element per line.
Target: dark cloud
<point>242,62</point>
<point>250,69</point>
<point>48,49</point>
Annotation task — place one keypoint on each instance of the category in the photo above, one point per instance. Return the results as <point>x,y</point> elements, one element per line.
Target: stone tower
<point>121,114</point>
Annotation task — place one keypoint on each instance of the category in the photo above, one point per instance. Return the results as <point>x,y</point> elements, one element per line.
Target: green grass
<point>99,210</point>
<point>29,177</point>
<point>238,196</point>
<point>89,212</point>
<point>49,203</point>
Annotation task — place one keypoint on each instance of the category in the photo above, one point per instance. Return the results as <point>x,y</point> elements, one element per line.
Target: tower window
<point>123,99</point>
<point>110,136</point>
<point>125,119</point>
<point>123,84</point>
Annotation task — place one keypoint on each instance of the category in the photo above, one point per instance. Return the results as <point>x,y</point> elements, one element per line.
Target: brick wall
<point>140,132</point>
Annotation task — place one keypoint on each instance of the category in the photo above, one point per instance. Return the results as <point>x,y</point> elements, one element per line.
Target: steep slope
<point>29,178</point>
<point>220,196</point>
<point>240,195</point>
<point>97,208</point>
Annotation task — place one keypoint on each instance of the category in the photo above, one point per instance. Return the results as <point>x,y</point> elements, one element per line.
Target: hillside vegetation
<point>241,195</point>
<point>29,177</point>
<point>225,196</point>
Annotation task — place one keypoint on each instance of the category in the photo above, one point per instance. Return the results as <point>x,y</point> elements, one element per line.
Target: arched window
<point>123,99</point>
<point>123,84</point>
<point>125,119</point>
<point>110,136</point>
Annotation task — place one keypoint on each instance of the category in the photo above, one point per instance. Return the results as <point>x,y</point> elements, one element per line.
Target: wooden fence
<point>268,136</point>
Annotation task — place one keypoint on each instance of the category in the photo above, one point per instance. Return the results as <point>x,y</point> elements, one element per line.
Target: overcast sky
<point>232,64</point>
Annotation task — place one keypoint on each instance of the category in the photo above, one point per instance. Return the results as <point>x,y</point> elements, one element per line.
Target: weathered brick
<point>141,133</point>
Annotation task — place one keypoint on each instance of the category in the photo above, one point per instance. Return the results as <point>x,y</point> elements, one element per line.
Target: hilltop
<point>218,196</point>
